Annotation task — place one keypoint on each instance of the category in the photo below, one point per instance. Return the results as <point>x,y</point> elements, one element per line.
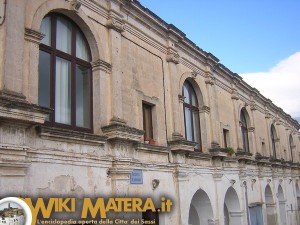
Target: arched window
<point>65,81</point>
<point>244,131</point>
<point>291,143</point>
<point>273,140</point>
<point>191,115</point>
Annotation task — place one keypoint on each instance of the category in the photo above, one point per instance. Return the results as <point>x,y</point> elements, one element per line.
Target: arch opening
<point>270,206</point>
<point>200,209</point>
<point>232,210</point>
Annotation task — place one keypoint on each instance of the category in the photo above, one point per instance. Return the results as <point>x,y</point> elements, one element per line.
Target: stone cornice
<point>181,146</point>
<point>118,131</point>
<point>17,109</point>
<point>152,148</point>
<point>67,135</point>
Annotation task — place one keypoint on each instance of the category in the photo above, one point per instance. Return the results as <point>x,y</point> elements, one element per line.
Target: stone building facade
<point>91,90</point>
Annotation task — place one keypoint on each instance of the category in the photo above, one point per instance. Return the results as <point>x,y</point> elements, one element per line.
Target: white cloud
<point>281,84</point>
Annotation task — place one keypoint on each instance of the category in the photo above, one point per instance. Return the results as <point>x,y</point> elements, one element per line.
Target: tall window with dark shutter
<point>147,121</point>
<point>244,131</point>
<point>65,81</point>
<point>273,140</point>
<point>191,115</point>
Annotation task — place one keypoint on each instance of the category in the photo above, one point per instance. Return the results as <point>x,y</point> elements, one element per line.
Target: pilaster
<point>214,114</point>
<point>173,58</point>
<point>101,102</point>
<point>115,25</point>
<point>31,61</point>
<point>14,49</point>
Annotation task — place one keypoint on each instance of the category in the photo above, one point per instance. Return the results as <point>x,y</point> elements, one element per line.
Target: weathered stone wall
<point>138,57</point>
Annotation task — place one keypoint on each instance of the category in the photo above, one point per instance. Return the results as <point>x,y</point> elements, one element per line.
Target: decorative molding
<point>172,56</point>
<point>115,22</point>
<point>101,65</point>
<point>253,106</point>
<point>232,182</point>
<point>13,160</point>
<point>33,36</point>
<point>75,4</point>
<point>251,129</point>
<point>210,79</point>
<point>204,109</point>
<point>217,176</point>
<point>267,114</point>
<point>181,98</point>
<point>194,75</point>
<point>234,94</point>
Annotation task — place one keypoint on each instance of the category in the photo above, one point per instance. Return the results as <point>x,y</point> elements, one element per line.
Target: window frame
<point>74,61</point>
<point>192,108</point>
<point>273,141</point>
<point>226,137</point>
<point>291,143</point>
<point>244,131</point>
<point>148,106</point>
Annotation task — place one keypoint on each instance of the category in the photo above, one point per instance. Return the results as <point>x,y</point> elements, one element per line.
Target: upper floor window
<point>273,140</point>
<point>291,145</point>
<point>147,122</point>
<point>191,115</point>
<point>244,131</point>
<point>65,81</point>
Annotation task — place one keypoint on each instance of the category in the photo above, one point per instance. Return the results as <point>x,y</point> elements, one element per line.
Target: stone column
<point>214,115</point>
<point>115,25</point>
<point>12,83</point>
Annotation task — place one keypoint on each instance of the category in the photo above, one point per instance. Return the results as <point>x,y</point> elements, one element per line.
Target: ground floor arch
<point>232,210</point>
<point>200,209</point>
<point>270,206</point>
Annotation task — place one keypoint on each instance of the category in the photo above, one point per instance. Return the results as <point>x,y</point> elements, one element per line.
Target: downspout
<point>246,197</point>
<point>2,11</point>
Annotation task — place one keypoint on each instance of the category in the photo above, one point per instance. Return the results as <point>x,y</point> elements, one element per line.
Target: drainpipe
<point>2,11</point>
<point>246,197</point>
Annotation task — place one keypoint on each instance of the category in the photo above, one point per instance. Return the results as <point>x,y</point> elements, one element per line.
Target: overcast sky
<point>258,39</point>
